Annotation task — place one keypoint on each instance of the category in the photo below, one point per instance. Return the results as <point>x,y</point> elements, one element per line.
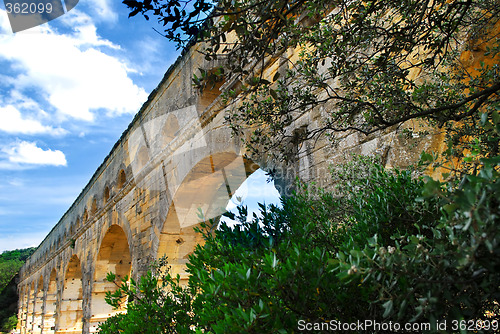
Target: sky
<point>68,89</point>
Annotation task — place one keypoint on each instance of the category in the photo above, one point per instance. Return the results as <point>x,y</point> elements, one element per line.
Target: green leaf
<point>426,157</point>
<point>273,94</point>
<point>484,118</point>
<point>387,308</point>
<point>110,277</point>
<point>276,76</point>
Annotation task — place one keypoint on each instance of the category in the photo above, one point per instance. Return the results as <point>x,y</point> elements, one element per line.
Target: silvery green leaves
<point>25,14</point>
<point>182,20</point>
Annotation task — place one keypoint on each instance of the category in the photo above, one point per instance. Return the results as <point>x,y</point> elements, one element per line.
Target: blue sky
<point>68,89</point>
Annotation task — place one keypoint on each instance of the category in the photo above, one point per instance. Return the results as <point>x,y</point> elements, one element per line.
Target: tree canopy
<point>372,64</point>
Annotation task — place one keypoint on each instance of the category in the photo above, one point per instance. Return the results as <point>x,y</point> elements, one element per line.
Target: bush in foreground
<point>383,246</point>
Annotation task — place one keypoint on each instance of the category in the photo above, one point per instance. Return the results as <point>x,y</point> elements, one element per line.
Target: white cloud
<point>4,22</point>
<point>103,9</point>
<point>21,240</point>
<point>71,70</point>
<point>255,189</point>
<point>13,122</point>
<point>21,101</point>
<point>23,152</point>
<point>85,28</point>
<point>16,182</point>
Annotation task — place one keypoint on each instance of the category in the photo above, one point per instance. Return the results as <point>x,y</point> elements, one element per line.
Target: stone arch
<point>170,129</point>
<point>122,179</point>
<point>208,186</point>
<point>93,207</point>
<point>114,256</point>
<point>38,309</point>
<point>211,90</point>
<point>106,195</point>
<point>142,157</point>
<point>85,216</point>
<point>71,311</point>
<point>50,304</point>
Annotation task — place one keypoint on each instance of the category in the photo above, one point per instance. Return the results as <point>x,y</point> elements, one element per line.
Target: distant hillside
<point>10,263</point>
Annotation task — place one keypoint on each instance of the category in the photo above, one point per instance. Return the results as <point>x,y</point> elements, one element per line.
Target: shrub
<point>156,304</point>
<point>8,324</point>
<point>385,246</point>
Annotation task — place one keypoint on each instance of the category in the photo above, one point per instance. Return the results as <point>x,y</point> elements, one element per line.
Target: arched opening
<point>93,207</point>
<point>71,315</point>
<point>142,157</point>
<point>207,187</point>
<point>211,90</point>
<point>106,195</point>
<point>257,188</point>
<point>114,256</point>
<point>37,318</point>
<point>50,304</point>
<point>85,216</point>
<point>122,178</point>
<point>170,129</point>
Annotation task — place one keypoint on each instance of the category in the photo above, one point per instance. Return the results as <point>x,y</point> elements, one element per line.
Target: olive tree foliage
<point>371,64</point>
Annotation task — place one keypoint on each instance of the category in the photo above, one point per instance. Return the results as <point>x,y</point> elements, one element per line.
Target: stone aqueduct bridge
<point>176,156</point>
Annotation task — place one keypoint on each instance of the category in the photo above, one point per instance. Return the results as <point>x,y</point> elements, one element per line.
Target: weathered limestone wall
<point>176,156</point>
